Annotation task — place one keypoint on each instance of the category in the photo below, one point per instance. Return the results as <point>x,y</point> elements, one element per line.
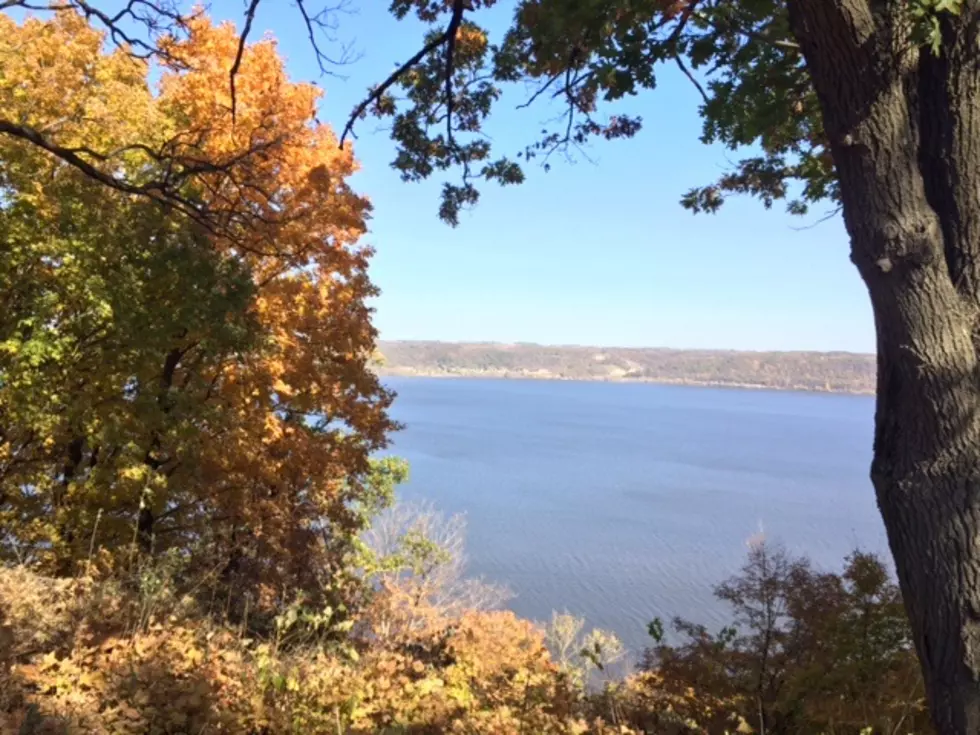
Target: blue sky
<point>597,253</point>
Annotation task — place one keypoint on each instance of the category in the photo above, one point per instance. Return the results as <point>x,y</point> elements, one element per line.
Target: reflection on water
<point>621,502</point>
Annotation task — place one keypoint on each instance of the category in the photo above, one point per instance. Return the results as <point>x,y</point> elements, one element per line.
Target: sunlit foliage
<point>165,387</point>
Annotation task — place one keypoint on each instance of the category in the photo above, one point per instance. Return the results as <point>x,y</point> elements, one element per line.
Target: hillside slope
<point>839,372</point>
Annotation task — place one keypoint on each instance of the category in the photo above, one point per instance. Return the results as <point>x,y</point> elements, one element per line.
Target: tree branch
<point>687,72</point>
<point>539,91</point>
<point>458,7</point>
<point>782,43</point>
<point>312,22</point>
<point>242,38</point>
<point>152,190</point>
<point>166,189</point>
<point>451,32</point>
<point>154,16</point>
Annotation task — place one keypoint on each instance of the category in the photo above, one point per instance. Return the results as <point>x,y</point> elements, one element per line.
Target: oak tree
<point>873,105</point>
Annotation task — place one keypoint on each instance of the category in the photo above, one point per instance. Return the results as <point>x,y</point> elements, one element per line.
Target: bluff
<point>838,372</point>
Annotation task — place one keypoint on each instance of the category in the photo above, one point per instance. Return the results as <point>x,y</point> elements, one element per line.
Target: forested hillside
<point>841,372</point>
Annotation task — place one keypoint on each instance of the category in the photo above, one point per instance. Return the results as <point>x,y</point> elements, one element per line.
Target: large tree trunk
<point>904,127</point>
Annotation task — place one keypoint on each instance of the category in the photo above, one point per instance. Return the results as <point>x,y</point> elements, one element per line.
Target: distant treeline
<point>842,372</point>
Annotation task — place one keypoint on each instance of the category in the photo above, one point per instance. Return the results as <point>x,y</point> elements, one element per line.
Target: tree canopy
<point>166,384</point>
<point>755,88</point>
<point>741,57</point>
<point>757,95</point>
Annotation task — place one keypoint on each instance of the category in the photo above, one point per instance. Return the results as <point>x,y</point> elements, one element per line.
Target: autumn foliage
<point>84,661</point>
<point>809,653</point>
<point>168,385</point>
<point>196,531</point>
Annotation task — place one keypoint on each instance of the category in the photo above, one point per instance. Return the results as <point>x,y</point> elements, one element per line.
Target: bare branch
<point>249,17</point>
<point>687,72</point>
<point>312,22</point>
<point>441,580</point>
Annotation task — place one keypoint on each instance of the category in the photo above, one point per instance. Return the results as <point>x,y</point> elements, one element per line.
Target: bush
<point>80,657</point>
<point>809,652</point>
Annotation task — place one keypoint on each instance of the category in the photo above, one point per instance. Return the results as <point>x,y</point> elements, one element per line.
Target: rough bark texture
<point>904,126</point>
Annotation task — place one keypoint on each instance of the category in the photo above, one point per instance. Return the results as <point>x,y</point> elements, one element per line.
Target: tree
<point>150,33</point>
<point>421,552</point>
<point>808,652</point>
<point>870,104</point>
<point>167,386</point>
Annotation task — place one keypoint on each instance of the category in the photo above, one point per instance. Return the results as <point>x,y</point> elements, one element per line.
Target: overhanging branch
<point>72,156</point>
<point>447,37</point>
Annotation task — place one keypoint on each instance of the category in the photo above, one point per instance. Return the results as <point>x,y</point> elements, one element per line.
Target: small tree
<point>415,557</point>
<point>585,657</point>
<point>808,652</point>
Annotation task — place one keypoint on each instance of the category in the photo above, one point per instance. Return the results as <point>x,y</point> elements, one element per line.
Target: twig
<point>687,72</point>
<point>541,90</point>
<point>91,545</point>
<point>310,21</point>
<point>828,216</point>
<point>781,43</point>
<point>571,104</point>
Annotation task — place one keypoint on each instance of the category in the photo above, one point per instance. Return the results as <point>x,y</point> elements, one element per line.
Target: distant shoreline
<point>646,381</point>
<point>810,372</point>
<point>407,373</point>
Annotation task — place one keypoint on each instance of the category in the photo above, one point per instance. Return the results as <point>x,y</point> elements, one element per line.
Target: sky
<point>594,252</point>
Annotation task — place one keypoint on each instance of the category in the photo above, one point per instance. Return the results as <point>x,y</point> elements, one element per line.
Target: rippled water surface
<point>621,502</point>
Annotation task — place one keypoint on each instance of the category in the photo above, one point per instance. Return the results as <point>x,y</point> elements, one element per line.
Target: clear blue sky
<point>596,253</point>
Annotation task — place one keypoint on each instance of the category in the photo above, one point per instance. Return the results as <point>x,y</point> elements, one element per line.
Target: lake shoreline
<point>550,377</point>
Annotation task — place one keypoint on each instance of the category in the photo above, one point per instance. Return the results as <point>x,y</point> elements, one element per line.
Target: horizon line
<point>498,343</point>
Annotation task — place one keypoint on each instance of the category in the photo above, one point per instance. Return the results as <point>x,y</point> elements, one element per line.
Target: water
<point>621,502</point>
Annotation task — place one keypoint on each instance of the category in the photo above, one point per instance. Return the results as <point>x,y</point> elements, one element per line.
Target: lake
<point>622,501</point>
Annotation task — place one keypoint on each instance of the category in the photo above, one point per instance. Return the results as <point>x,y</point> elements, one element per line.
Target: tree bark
<point>904,129</point>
